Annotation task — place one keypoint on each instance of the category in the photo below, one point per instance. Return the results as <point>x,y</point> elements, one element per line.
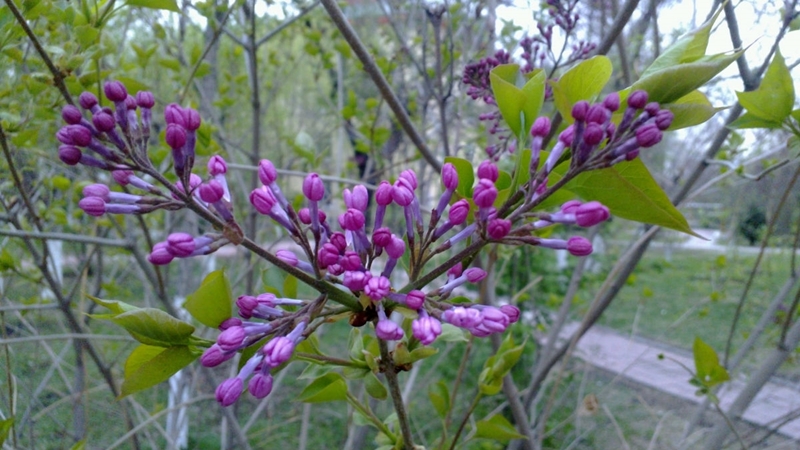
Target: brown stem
<point>390,371</point>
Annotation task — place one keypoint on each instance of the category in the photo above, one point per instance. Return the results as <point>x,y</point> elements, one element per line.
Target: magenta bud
<point>313,188</point>
<point>263,200</point>
<point>338,241</point>
<point>388,330</point>
<point>145,99</point>
<point>277,351</point>
<point>231,339</point>
<point>175,136</point>
<point>287,256</point>
<point>664,119</point>
<point>355,280</point>
<point>327,255</point>
<point>160,256</point>
<point>71,114</point>
<point>396,247</point>
<point>449,177</point>
<point>593,134</point>
<point>230,322</point>
<point>192,119</point>
<point>598,114</point>
<point>458,212</point>
<point>498,228</point>
<point>87,100</point>
<point>637,99</point>
<point>426,329</point>
<point>580,110</point>
<point>115,91</point>
<point>382,237</point>
<point>180,244</point>
<point>410,176</point>
<point>579,246</point>
<point>260,385</point>
<point>229,391</point>
<point>80,135</point>
<point>652,108</point>
<point>267,172</point>
<point>96,190</point>
<point>590,214</point>
<point>352,220</point>
<point>69,154</point>
<point>173,114</point>
<point>475,274</point>
<point>566,136</point>
<point>211,192</point>
<point>455,271</point>
<point>130,103</point>
<point>93,206</point>
<point>541,127</point>
<point>648,135</point>
<point>377,288</point>
<point>383,196</point>
<point>350,261</point>
<point>402,193</point>
<point>214,356</point>
<point>359,198</point>
<point>488,170</point>
<point>611,102</point>
<point>103,121</point>
<point>415,299</point>
<point>511,311</point>
<point>217,166</point>
<point>484,193</point>
<point>570,206</point>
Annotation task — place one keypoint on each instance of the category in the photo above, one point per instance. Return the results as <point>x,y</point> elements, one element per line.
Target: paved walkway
<point>638,361</point>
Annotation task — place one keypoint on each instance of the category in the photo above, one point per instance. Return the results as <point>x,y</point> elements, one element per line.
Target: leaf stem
<point>366,411</point>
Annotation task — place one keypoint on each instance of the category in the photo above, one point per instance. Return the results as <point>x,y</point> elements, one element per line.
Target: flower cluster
<point>344,253</point>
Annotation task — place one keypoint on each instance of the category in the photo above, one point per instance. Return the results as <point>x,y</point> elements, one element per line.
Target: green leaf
<point>86,35</point>
<point>422,353</point>
<point>688,48</point>
<point>691,109</point>
<point>290,287</point>
<point>774,98</point>
<point>498,428</point>
<point>706,362</point>
<point>796,115</point>
<point>80,445</point>
<point>452,333</point>
<point>670,84</point>
<point>748,120</point>
<point>148,366</point>
<point>582,82</point>
<point>169,5</point>
<point>115,306</point>
<point>466,176</point>
<point>330,387</point>
<point>630,192</point>
<point>211,303</point>
<point>152,326</point>
<point>440,398</point>
<point>170,63</point>
<point>374,387</point>
<point>510,99</point>
<point>533,91</point>
<point>5,429</point>
<point>497,366</point>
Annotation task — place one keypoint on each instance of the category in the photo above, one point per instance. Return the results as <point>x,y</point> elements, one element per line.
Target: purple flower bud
<point>173,114</point>
<point>214,356</point>
<point>103,121</point>
<point>287,256</point>
<point>231,339</point>
<point>511,311</point>
<point>579,246</point>
<point>191,118</point>
<point>69,154</point>
<point>217,166</point>
<point>71,114</point>
<point>449,176</point>
<point>426,329</point>
<point>383,196</point>
<point>494,320</point>
<point>388,330</point>
<point>130,103</point>
<point>350,260</point>
<point>145,99</point>
<point>487,170</point>
<point>382,237</point>
<point>402,193</point>
<point>474,274</point>
<point>352,220</point>
<point>377,288</point>
<point>458,212</point>
<point>580,110</point>
<point>246,305</point>
<point>611,102</point>
<point>664,119</point>
<point>180,244</point>
<point>96,190</point>
<point>160,256</point>
<point>590,214</point>
<point>566,136</point>
<point>593,134</point>
<point>327,255</point>
<point>94,206</point>
<point>498,228</point>
<point>262,199</point>
<point>278,351</point>
<point>355,280</point>
<point>211,192</point>
<point>455,271</point>
<point>637,99</point>
<point>396,247</point>
<point>77,135</point>
<point>115,91</point>
<point>652,108</point>
<point>338,241</point>
<point>313,188</point>
<point>194,182</point>
<point>598,114</point>
<point>411,177</point>
<point>484,193</point>
<point>648,135</point>
<point>358,199</point>
<point>541,127</point>
<point>229,391</point>
<point>415,299</point>
<point>230,322</point>
<point>175,136</point>
<point>267,172</point>
<point>87,100</point>
<point>462,317</point>
<point>260,385</point>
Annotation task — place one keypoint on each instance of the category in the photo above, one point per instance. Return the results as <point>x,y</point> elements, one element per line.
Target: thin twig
<point>397,397</point>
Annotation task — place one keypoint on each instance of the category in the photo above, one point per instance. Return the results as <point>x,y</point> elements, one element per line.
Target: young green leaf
<point>585,81</point>
<point>774,98</point>
<point>148,366</point>
<point>330,387</point>
<point>498,428</point>
<point>212,302</point>
<point>152,326</point>
<point>115,306</point>
<point>440,398</point>
<point>691,109</point>
<point>374,387</point>
<point>5,428</point>
<point>709,371</point>
<point>749,120</point>
<point>510,99</point>
<point>168,5</point>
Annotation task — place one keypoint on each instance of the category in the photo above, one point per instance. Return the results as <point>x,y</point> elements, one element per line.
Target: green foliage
<point>168,5</point>
<point>466,175</point>
<point>148,366</point>
<point>709,372</point>
<point>770,104</point>
<point>584,81</point>
<point>439,395</point>
<point>5,429</point>
<point>497,366</point>
<point>330,387</point>
<point>498,428</point>
<point>519,107</point>
<point>690,110</point>
<point>212,302</point>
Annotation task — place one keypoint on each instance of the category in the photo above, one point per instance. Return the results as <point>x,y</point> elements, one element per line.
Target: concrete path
<point>638,361</point>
